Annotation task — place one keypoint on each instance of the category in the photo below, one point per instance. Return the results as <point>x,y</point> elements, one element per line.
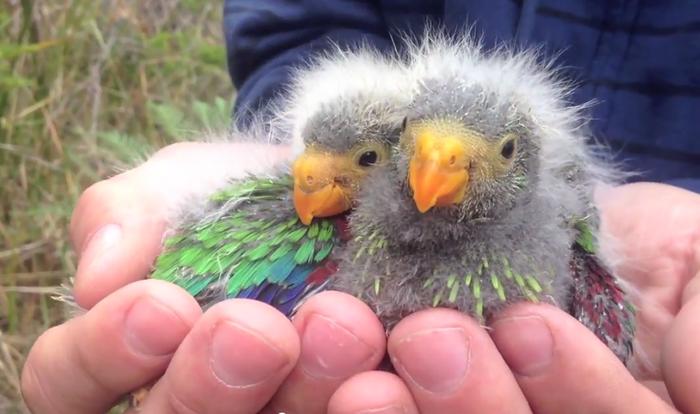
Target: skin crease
<point>664,270</point>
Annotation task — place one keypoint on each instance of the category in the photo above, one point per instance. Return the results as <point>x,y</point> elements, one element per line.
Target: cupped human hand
<point>240,353</point>
<point>241,356</point>
<point>655,248</point>
<point>246,355</point>
<point>537,359</point>
<point>118,224</point>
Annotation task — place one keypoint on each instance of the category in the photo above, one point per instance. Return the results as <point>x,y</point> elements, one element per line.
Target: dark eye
<point>403,123</point>
<point>368,158</point>
<point>508,149</point>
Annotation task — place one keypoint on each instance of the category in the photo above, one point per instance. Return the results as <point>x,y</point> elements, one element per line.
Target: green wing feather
<point>252,239</point>
<point>585,238</point>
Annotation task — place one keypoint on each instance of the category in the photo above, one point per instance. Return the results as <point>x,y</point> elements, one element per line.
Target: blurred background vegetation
<point>86,87</point>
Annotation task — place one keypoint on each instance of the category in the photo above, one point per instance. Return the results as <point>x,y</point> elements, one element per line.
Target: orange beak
<point>438,172</point>
<point>316,189</point>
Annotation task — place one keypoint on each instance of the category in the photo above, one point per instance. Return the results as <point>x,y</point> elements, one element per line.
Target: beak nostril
<point>309,179</point>
<point>453,160</point>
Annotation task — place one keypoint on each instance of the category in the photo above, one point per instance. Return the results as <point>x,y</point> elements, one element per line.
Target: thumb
<point>118,224</point>
<point>562,367</point>
<point>679,363</point>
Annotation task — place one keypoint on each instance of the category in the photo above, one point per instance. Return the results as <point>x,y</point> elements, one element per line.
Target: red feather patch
<point>322,273</point>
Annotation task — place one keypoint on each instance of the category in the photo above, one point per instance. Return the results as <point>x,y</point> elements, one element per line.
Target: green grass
<point>86,87</point>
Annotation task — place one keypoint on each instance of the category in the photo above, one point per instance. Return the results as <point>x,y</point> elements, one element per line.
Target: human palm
<point>656,247</point>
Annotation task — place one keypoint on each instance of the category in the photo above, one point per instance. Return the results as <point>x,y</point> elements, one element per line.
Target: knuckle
<point>178,405</point>
<point>35,390</point>
<point>97,194</point>
<point>94,198</point>
<point>98,200</point>
<point>88,365</point>
<point>175,149</point>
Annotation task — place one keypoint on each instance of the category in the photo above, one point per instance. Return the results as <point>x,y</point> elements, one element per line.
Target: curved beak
<point>317,192</point>
<point>438,172</point>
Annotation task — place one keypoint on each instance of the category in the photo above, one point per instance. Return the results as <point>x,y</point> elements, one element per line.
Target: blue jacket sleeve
<point>266,38</point>
<point>692,184</point>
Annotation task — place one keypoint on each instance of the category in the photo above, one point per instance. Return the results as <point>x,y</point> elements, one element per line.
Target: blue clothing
<point>639,59</point>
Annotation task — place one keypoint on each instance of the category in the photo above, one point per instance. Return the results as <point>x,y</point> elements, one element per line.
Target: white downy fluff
<point>338,75</point>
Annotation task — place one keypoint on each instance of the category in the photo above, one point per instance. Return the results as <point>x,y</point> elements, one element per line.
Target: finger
<point>340,336</point>
<point>117,227</point>
<point>659,388</point>
<point>562,367</point>
<point>124,342</point>
<point>650,243</point>
<point>373,392</point>
<point>118,223</point>
<point>679,363</point>
<point>451,366</point>
<point>233,361</point>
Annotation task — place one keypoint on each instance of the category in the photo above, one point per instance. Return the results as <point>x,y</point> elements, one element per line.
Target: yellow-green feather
<point>243,247</point>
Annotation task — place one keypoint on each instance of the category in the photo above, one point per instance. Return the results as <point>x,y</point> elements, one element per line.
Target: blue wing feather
<point>282,268</point>
<point>238,253</point>
<point>283,297</point>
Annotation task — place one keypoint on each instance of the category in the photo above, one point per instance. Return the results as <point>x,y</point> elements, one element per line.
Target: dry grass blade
<point>8,367</point>
<point>86,88</point>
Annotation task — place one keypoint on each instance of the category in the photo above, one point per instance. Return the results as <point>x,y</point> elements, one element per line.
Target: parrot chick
<point>273,238</point>
<point>487,199</point>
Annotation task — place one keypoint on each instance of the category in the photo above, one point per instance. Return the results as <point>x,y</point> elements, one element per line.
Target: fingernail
<point>153,328</point>
<point>328,350</point>
<point>384,410</point>
<point>525,342</point>
<point>436,360</point>
<point>242,358</point>
<point>104,239</point>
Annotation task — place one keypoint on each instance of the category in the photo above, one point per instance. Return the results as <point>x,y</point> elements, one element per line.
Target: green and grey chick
<point>274,237</point>
<point>488,199</point>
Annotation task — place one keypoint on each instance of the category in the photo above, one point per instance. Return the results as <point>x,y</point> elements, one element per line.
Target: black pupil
<point>368,158</point>
<point>508,149</point>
